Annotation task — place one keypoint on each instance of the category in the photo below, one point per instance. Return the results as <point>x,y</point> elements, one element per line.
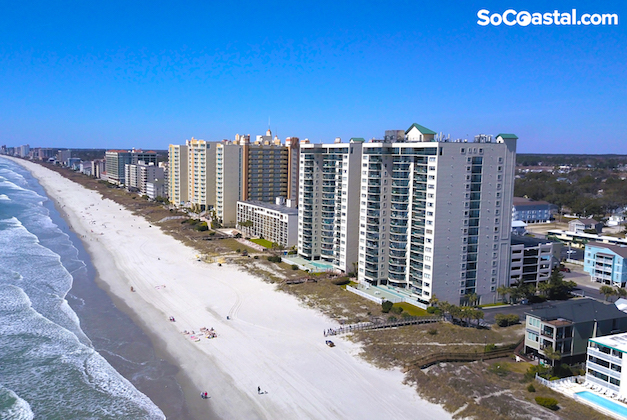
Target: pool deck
<point>312,266</point>
<point>571,389</point>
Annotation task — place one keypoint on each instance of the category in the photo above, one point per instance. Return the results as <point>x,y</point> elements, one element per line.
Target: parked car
<point>565,269</point>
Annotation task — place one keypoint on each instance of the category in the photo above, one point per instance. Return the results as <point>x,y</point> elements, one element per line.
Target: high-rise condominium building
<point>178,174</point>
<point>434,216</point>
<point>228,181</point>
<point>202,174</point>
<point>259,171</point>
<point>215,175</point>
<point>328,222</point>
<point>139,175</point>
<point>117,159</point>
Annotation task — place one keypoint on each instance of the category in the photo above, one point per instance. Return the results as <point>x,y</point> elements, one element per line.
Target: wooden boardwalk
<point>363,326</point>
<point>432,359</point>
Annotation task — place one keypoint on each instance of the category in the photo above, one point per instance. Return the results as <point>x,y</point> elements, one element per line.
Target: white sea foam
<point>4,197</point>
<point>12,407</point>
<point>38,329</point>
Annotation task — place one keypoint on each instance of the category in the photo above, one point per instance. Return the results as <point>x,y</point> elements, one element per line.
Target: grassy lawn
<point>489,305</point>
<point>411,309</point>
<point>263,242</point>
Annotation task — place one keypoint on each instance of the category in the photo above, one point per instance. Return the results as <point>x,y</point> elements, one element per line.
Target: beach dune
<point>271,341</point>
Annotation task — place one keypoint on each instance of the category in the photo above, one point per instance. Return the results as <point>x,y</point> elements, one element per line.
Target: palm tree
<point>552,354</point>
<point>471,298</point>
<point>607,291</point>
<point>477,315</point>
<point>504,291</point>
<point>620,292</point>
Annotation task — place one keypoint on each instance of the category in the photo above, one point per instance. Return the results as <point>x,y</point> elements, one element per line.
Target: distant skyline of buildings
<point>413,211</point>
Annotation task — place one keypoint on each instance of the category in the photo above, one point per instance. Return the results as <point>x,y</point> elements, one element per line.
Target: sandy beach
<point>270,342</point>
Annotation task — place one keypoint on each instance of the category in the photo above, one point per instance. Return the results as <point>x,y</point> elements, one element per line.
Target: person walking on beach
<point>258,390</point>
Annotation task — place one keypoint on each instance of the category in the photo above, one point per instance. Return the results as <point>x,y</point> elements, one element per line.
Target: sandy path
<point>271,340</point>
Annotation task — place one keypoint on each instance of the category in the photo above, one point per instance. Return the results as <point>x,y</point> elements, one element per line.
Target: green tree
<point>558,288</point>
<point>386,305</point>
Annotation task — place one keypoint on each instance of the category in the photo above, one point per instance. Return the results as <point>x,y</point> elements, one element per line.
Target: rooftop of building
<point>617,249</point>
<point>528,241</point>
<point>577,311</point>
<point>272,206</point>
<point>585,221</point>
<point>422,129</point>
<point>522,201</point>
<point>616,341</point>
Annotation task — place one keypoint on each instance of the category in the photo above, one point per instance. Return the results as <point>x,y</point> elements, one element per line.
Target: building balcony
<point>372,251</point>
<point>398,253</point>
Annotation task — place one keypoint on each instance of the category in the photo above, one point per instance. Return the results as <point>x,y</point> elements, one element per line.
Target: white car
<point>571,251</point>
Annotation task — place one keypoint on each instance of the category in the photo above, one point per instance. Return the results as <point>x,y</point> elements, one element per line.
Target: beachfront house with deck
<point>567,326</point>
<point>606,263</point>
<point>604,365</point>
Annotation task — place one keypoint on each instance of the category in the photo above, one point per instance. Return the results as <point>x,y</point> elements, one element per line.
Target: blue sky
<point>147,74</point>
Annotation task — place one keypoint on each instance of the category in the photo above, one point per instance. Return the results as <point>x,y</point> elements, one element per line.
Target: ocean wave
<point>40,273</point>
<point>59,376</point>
<point>4,197</point>
<point>12,407</point>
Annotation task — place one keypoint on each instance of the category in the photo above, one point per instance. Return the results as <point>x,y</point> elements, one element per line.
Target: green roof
<point>423,130</point>
<point>507,136</point>
<point>357,140</point>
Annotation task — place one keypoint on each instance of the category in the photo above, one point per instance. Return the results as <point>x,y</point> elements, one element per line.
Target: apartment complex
<point>531,211</point>
<point>273,222</point>
<point>604,364</point>
<point>435,215</point>
<point>425,215</point>
<point>140,174</point>
<point>532,260</point>
<point>215,175</point>
<point>115,161</point>
<point>606,263</point>
<point>178,174</point>
<point>328,226</point>
<point>201,181</point>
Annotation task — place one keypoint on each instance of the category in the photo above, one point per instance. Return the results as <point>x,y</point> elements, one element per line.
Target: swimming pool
<point>619,409</point>
<point>321,265</point>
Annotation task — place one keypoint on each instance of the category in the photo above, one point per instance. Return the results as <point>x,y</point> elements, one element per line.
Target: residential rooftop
<point>528,241</point>
<point>271,206</point>
<point>522,201</point>
<point>618,249</point>
<point>616,341</point>
<point>576,311</point>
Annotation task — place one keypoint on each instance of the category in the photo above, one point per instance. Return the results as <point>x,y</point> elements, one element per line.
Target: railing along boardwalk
<point>363,326</point>
<point>432,359</point>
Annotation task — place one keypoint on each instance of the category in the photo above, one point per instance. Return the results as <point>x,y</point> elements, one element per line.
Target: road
<point>585,286</point>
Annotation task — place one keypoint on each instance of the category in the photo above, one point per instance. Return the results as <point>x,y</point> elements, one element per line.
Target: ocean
<point>60,335</point>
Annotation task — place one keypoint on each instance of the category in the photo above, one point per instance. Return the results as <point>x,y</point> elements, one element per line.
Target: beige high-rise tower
<point>178,174</point>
